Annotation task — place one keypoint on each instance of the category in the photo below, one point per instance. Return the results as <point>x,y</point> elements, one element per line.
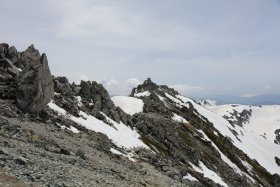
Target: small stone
<point>21,160</point>
<point>81,154</point>
<point>54,184</point>
<point>65,151</point>
<point>2,164</point>
<point>3,152</point>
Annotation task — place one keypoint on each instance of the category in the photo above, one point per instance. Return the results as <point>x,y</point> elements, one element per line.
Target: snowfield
<point>255,146</point>
<point>129,105</point>
<point>121,135</point>
<point>263,122</point>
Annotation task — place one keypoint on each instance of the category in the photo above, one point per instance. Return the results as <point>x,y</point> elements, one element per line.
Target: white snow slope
<point>129,105</point>
<point>121,135</point>
<point>255,146</point>
<point>263,122</point>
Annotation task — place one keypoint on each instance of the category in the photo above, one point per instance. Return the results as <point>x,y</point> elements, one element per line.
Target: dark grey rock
<point>80,153</point>
<point>86,89</point>
<point>277,160</point>
<point>35,86</point>
<point>12,51</point>
<point>3,151</point>
<point>277,136</point>
<point>30,58</point>
<point>62,85</point>
<point>276,180</point>
<point>8,67</point>
<point>21,160</point>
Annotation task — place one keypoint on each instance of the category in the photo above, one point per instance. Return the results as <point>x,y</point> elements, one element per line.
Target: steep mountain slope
<point>184,131</point>
<point>262,120</point>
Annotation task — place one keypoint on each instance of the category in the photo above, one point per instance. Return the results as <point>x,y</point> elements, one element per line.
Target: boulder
<point>35,85</point>
<point>4,45</point>
<point>6,66</point>
<point>30,58</point>
<point>62,85</point>
<point>21,160</point>
<point>86,90</point>
<point>3,50</point>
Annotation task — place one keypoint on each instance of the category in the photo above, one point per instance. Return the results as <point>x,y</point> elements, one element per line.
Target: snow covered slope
<point>130,105</point>
<point>120,134</point>
<point>255,146</point>
<point>262,120</point>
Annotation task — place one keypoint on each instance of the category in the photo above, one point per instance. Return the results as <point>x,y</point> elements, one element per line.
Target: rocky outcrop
<point>26,78</point>
<point>89,97</point>
<point>238,118</point>
<point>35,86</point>
<point>8,72</point>
<point>179,143</point>
<point>98,95</point>
<point>149,85</point>
<point>277,136</point>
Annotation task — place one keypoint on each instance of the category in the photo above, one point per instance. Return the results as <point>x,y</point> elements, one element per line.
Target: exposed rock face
<point>236,118</point>
<point>277,136</point>
<point>25,77</point>
<point>62,85</point>
<point>94,96</point>
<point>35,86</point>
<point>8,71</point>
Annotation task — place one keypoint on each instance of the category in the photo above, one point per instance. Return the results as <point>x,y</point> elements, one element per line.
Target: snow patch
<point>224,157</point>
<point>142,94</point>
<point>178,118</point>
<point>73,129</point>
<point>121,135</point>
<point>189,177</point>
<point>208,173</point>
<point>56,108</point>
<point>79,99</point>
<point>129,105</point>
<point>178,102</point>
<point>129,155</point>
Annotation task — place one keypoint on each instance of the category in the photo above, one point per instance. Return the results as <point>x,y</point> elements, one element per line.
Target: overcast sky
<point>200,47</point>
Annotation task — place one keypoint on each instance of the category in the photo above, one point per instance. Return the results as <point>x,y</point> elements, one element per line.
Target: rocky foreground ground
<point>39,154</point>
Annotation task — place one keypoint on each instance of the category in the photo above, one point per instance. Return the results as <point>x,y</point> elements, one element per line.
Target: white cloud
<point>133,82</point>
<point>249,95</point>
<point>115,87</point>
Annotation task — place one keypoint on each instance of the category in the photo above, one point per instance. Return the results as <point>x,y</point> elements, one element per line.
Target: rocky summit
<point>55,133</point>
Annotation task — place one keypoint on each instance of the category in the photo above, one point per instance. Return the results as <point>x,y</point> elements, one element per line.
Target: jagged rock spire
<point>28,77</point>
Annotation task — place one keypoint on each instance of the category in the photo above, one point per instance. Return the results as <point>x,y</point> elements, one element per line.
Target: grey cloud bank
<point>201,48</point>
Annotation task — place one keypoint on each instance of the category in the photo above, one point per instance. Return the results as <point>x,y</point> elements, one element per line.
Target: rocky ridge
<point>184,141</point>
